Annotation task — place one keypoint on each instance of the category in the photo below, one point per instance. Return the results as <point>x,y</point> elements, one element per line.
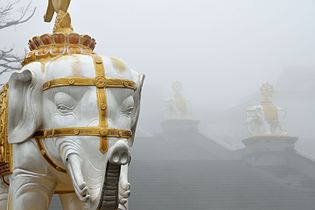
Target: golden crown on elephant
<point>63,41</point>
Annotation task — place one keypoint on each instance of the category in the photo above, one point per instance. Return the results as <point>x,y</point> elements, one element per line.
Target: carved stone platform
<point>270,142</point>
<point>268,150</point>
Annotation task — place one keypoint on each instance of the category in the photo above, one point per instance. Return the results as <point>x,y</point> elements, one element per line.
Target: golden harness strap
<point>101,83</point>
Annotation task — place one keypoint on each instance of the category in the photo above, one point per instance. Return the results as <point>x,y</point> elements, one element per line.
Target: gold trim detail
<point>99,82</point>
<point>87,131</point>
<point>83,131</point>
<point>43,152</point>
<point>5,181</point>
<point>62,192</point>
<point>5,147</point>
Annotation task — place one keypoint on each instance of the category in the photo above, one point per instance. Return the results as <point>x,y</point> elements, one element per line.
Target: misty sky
<point>221,50</point>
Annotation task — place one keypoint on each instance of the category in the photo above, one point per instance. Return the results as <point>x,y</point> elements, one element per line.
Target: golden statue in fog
<point>178,106</point>
<point>179,100</point>
<point>63,20</point>
<point>265,118</point>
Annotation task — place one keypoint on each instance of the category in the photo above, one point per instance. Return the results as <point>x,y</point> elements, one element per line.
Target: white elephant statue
<point>265,120</point>
<point>71,122</point>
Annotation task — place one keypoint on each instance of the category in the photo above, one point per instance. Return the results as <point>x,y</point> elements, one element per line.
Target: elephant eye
<point>127,106</point>
<point>64,103</point>
<point>64,108</point>
<point>129,110</point>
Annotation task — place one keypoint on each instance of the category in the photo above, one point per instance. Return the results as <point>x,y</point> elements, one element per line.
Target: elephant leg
<point>71,202</point>
<point>4,189</point>
<point>29,190</point>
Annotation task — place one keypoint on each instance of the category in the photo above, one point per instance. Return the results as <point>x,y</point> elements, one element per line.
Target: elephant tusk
<point>80,187</point>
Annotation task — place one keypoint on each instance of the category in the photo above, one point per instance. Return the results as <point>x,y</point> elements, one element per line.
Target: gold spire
<point>63,20</point>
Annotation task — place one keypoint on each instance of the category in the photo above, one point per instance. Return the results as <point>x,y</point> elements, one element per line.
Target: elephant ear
<point>136,113</point>
<point>23,104</point>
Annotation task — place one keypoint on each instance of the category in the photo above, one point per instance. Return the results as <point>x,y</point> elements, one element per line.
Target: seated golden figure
<point>63,20</point>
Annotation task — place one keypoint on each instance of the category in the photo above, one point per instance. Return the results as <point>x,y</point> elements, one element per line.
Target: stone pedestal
<point>268,150</point>
<point>275,157</point>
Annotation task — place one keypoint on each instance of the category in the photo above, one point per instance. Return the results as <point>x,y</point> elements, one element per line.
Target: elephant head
<point>84,111</point>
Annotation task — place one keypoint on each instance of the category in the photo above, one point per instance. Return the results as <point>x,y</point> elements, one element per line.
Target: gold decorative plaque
<point>5,147</point>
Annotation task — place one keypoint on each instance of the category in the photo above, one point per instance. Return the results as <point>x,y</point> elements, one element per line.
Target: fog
<point>226,48</point>
<point>220,50</point>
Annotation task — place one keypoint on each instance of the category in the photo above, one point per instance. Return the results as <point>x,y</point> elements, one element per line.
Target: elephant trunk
<point>118,156</point>
<point>96,184</point>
